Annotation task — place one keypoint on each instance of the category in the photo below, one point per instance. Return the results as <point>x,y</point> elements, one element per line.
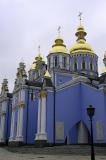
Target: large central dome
<point>81,46</point>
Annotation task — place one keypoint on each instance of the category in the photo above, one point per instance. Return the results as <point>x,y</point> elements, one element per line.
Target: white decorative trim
<point>41,136</point>
<point>19,138</point>
<point>73,81</point>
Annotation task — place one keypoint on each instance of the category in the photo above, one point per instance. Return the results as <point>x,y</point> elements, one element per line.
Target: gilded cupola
<point>38,59</point>
<point>81,46</point>
<point>58,46</point>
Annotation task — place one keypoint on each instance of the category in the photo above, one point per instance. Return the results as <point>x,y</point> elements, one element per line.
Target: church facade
<point>49,104</point>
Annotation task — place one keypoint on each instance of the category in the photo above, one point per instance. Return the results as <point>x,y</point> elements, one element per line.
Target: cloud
<point>24,24</point>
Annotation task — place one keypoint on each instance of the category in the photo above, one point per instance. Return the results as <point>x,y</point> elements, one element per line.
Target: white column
<point>21,122</point>
<point>12,126</point>
<point>19,136</point>
<point>43,117</point>
<point>39,119</point>
<point>42,134</point>
<point>67,62</point>
<point>2,127</point>
<point>18,123</point>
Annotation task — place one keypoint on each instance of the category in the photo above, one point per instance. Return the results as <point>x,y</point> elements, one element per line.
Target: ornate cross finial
<point>39,49</point>
<point>5,76</point>
<point>80,16</point>
<point>59,30</point>
<point>22,59</point>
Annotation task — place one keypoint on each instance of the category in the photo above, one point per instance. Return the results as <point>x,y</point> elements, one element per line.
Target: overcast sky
<point>26,24</point>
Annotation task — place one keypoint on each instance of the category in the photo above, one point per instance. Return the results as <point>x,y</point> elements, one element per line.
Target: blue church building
<point>49,104</point>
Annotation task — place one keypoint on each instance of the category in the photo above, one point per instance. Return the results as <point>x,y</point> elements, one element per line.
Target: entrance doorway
<point>79,134</point>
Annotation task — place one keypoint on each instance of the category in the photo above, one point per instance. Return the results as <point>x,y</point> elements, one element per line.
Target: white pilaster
<point>67,63</point>
<point>2,127</point>
<point>19,136</point>
<point>3,120</point>
<point>39,119</point>
<point>43,117</point>
<point>21,122</point>
<point>12,126</point>
<point>41,132</point>
<point>18,124</point>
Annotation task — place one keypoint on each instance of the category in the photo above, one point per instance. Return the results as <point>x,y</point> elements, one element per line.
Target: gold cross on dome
<point>59,30</point>
<point>39,49</point>
<point>22,59</point>
<point>80,17</point>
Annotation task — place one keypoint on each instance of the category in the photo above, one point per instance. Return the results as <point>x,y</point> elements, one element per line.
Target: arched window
<point>91,66</point>
<point>83,64</point>
<point>64,62</point>
<point>75,66</point>
<point>55,61</point>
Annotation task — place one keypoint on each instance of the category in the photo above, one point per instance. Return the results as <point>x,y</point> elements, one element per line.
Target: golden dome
<point>38,59</point>
<point>47,74</point>
<point>59,46</point>
<point>81,46</point>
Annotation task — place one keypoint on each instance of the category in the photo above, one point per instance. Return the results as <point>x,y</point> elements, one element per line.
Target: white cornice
<point>74,81</point>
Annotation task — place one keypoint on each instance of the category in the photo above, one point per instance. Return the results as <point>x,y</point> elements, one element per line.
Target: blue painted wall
<point>96,98</point>
<point>8,121</point>
<point>50,116</point>
<point>32,120</point>
<point>68,109</point>
<point>60,79</point>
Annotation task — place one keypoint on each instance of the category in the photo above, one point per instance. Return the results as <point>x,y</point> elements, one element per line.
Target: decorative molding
<point>73,81</point>
<point>21,104</point>
<point>2,99</point>
<point>13,109</point>
<point>43,93</point>
<point>3,113</point>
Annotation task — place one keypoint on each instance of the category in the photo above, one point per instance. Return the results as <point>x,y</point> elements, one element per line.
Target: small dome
<point>81,46</point>
<point>38,59</point>
<point>59,46</point>
<point>47,74</point>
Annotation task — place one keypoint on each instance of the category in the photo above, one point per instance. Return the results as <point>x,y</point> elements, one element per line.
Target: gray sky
<point>25,24</point>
